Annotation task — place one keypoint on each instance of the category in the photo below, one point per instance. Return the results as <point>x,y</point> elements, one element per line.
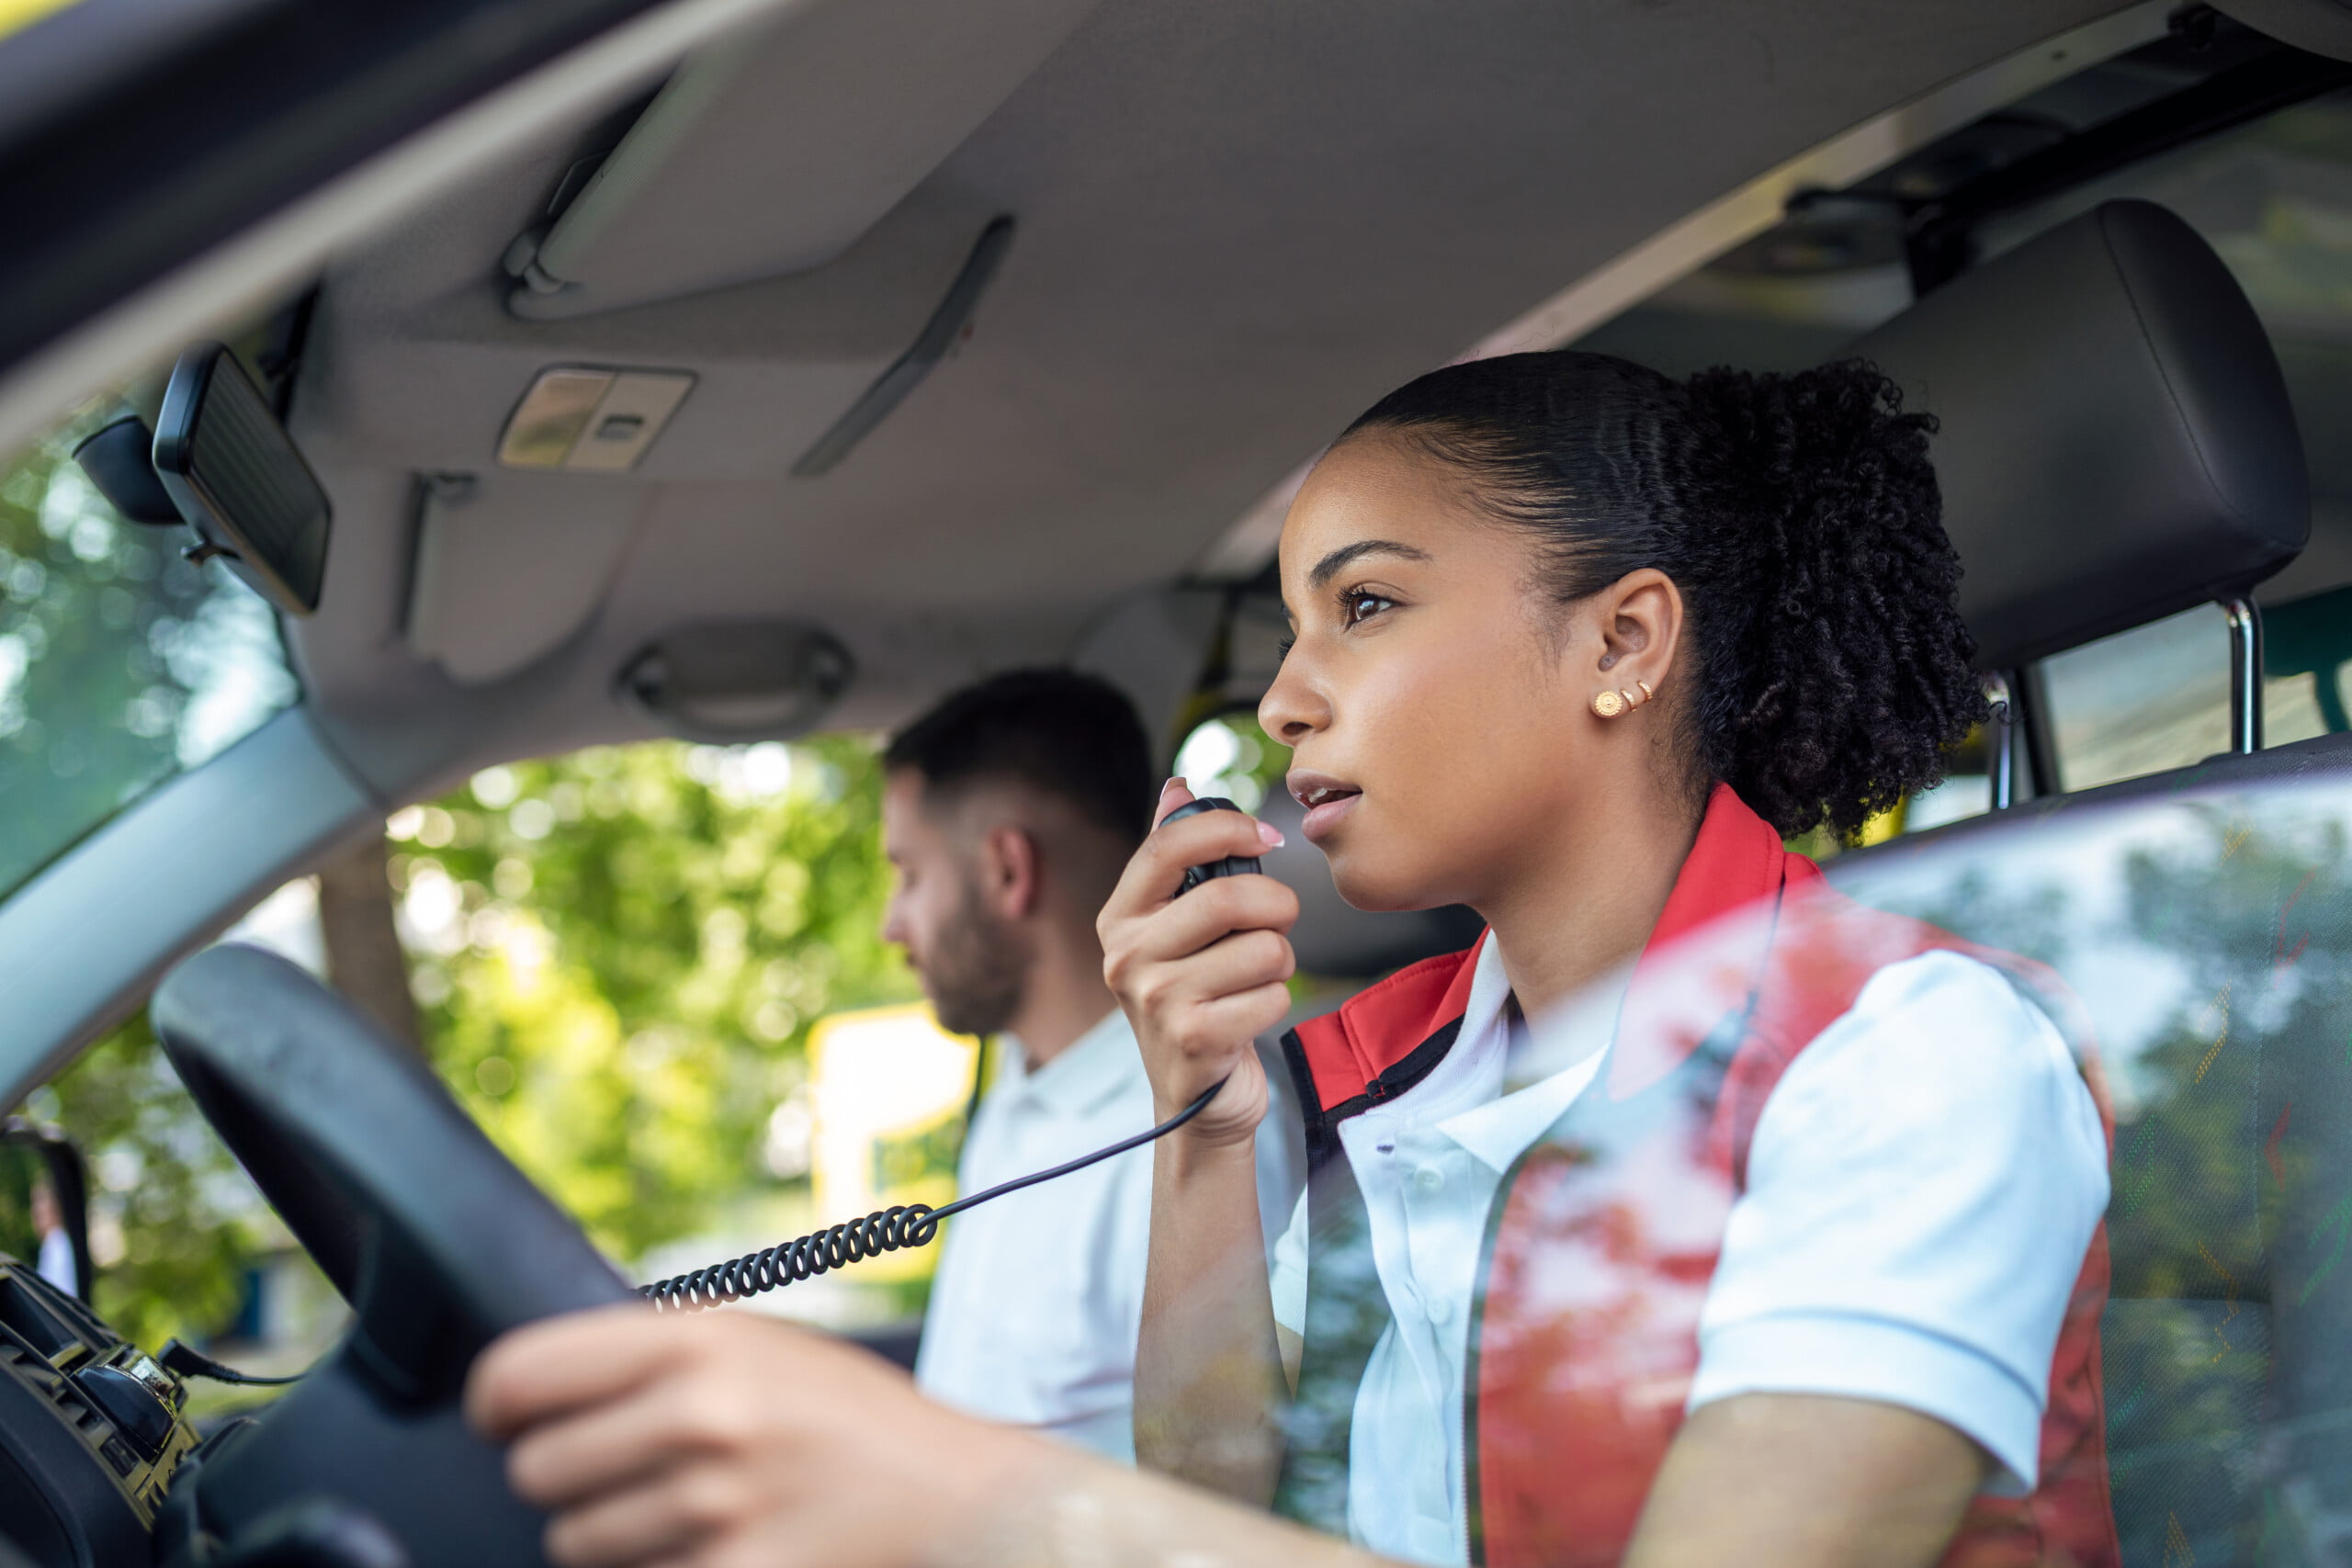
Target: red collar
<point>1735,861</point>
<point>1698,966</point>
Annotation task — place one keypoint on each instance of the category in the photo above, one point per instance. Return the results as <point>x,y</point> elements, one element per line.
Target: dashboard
<point>92,1430</point>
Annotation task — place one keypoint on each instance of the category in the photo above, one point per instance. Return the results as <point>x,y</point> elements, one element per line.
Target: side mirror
<point>45,1204</point>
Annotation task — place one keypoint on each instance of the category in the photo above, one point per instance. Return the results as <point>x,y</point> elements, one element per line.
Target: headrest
<point>2116,441</point>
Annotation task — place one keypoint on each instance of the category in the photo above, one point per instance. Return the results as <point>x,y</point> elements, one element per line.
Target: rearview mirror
<point>234,474</point>
<point>45,1204</point>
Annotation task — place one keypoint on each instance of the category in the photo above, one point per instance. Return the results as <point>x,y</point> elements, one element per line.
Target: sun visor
<point>2116,441</point>
<point>774,154</point>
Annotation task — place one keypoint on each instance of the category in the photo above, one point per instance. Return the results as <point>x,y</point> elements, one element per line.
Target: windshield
<point>121,664</point>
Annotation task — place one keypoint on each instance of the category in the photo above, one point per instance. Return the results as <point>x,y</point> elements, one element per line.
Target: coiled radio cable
<point>853,1241</point>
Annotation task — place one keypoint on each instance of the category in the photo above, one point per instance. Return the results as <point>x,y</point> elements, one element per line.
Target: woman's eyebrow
<point>1329,567</point>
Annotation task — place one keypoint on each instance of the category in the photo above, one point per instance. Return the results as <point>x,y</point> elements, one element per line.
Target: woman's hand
<point>1201,976</point>
<point>727,1438</point>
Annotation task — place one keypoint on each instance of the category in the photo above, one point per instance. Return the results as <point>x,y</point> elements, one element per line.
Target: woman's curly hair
<point>1798,515</point>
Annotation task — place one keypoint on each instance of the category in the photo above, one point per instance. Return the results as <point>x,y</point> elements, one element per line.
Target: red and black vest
<point>1604,1235</point>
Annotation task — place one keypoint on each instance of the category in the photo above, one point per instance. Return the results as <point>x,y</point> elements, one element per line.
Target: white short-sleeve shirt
<point>1035,1307</point>
<point>1921,1187</point>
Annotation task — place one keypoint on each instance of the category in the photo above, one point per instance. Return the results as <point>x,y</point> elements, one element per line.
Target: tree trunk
<point>364,957</point>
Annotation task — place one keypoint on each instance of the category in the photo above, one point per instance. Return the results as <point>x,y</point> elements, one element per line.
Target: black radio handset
<point>914,1225</point>
<point>1231,865</point>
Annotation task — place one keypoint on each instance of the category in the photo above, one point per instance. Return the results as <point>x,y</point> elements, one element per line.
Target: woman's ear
<point>1639,618</point>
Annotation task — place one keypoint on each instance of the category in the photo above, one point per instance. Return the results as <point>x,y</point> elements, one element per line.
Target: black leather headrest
<point>2116,442</point>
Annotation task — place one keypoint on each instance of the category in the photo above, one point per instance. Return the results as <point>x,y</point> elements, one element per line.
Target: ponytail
<point>1798,515</point>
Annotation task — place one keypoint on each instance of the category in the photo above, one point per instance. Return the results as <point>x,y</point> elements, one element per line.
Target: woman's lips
<point>1328,803</point>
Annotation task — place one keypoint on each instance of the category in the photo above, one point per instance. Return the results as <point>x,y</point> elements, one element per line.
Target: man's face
<point>973,962</point>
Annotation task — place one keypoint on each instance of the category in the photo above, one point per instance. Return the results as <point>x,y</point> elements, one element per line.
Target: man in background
<point>56,1263</point>
<point>1008,812</point>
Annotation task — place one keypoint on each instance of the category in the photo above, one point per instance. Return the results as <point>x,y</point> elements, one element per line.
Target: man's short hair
<point>1072,737</point>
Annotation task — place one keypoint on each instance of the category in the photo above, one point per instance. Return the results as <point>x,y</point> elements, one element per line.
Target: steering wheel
<point>435,1238</point>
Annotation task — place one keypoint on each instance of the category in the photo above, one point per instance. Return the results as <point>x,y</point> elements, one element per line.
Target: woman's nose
<point>1291,710</point>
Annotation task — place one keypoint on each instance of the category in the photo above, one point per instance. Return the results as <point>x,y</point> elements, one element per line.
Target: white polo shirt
<point>1038,1297</point>
<point>1921,1187</point>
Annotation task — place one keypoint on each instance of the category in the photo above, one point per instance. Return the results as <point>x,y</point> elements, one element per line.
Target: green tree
<point>174,1224</point>
<point>619,954</point>
<point>120,662</point>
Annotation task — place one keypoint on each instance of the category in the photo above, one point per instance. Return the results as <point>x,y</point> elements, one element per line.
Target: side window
<point>653,974</point>
<point>2157,698</point>
<point>121,664</point>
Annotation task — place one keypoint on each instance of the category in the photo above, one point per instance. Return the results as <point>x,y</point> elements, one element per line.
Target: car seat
<point>2116,444</point>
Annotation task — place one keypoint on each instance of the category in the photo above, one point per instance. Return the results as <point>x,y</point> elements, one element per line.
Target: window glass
<point>2157,698</point>
<point>121,664</point>
<point>653,974</point>
<point>631,966</point>
<point>2203,935</point>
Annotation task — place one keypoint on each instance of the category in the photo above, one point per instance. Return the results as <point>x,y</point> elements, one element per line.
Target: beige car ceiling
<point>1237,221</point>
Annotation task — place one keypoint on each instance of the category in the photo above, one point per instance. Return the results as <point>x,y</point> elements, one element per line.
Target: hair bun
<point>1847,676</point>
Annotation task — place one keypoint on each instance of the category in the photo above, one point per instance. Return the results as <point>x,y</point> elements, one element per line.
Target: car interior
<point>744,371</point>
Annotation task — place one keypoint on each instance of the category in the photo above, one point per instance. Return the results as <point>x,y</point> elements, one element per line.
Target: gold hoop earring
<point>1609,705</point>
<point>1646,692</point>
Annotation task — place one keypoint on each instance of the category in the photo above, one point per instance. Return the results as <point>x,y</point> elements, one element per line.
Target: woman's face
<point>1429,697</point>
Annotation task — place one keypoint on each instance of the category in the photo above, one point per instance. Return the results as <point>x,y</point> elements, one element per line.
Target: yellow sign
<point>891,1086</point>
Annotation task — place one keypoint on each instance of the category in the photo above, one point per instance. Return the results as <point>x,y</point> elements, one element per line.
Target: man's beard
<point>978,972</point>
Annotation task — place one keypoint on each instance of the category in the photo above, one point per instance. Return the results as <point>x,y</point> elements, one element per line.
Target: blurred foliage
<point>174,1223</point>
<point>619,954</point>
<point>120,662</point>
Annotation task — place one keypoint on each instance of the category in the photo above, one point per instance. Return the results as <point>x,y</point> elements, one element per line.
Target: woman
<point>1772,1256</point>
<point>1577,647</point>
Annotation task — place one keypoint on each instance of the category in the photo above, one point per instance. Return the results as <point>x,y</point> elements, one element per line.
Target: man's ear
<point>1011,876</point>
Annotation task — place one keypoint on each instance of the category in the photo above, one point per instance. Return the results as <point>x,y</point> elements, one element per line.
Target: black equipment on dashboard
<point>233,472</point>
<point>915,1224</point>
<point>91,1429</point>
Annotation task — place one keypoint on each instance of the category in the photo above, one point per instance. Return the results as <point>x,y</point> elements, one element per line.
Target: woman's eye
<point>1360,607</point>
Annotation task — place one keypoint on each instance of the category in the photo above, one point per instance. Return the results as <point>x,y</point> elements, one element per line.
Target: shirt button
<point>1428,1178</point>
<point>1440,1311</point>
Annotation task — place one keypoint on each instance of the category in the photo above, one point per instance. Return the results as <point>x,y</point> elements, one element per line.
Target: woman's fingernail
<point>1269,836</point>
<point>1172,784</point>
